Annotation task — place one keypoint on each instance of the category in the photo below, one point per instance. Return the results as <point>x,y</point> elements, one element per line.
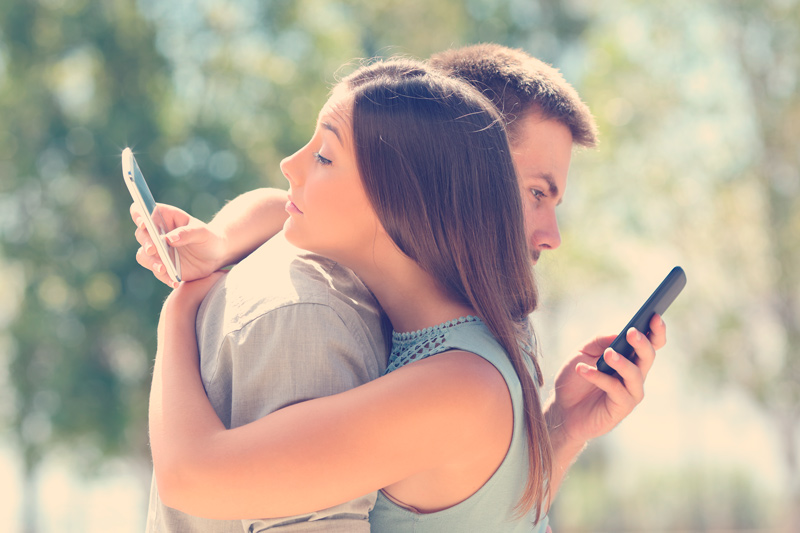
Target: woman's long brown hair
<point>435,162</point>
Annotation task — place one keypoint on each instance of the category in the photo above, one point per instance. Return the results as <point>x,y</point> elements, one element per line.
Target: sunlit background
<point>699,165</point>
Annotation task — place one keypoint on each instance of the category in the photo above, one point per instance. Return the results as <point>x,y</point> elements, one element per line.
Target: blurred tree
<point>264,69</point>
<point>79,79</point>
<point>768,48</point>
<point>212,94</point>
<point>701,106</point>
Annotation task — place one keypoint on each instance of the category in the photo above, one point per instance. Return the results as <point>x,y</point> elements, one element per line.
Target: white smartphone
<point>153,219</point>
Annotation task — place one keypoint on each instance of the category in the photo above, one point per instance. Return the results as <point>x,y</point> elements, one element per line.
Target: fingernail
<point>614,355</point>
<point>158,268</point>
<point>174,238</point>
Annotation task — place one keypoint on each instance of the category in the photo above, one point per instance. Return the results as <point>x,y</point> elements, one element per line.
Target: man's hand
<point>201,249</point>
<point>587,403</point>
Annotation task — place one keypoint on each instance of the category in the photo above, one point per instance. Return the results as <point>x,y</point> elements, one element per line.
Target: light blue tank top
<point>491,508</point>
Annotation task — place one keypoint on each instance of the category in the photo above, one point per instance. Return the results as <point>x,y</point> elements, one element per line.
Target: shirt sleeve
<point>291,354</point>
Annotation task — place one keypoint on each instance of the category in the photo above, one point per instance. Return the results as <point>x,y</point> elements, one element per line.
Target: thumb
<point>187,235</point>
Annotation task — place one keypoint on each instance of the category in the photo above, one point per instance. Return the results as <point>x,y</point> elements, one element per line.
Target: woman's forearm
<point>249,220</point>
<point>180,415</point>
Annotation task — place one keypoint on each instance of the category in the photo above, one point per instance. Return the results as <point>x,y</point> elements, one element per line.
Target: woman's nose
<point>285,169</point>
<point>289,170</point>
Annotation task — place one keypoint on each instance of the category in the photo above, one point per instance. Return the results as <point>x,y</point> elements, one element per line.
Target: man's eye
<point>537,194</point>
<point>322,160</point>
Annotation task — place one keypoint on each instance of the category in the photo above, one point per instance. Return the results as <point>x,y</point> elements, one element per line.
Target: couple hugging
<point>372,366</point>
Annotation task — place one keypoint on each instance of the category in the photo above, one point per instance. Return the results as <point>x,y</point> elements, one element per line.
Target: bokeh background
<point>699,165</point>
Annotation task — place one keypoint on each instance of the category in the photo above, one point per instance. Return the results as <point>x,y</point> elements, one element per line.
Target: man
<point>545,117</point>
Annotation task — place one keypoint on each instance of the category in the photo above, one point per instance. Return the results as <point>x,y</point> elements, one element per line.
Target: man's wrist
<point>564,444</point>
<point>565,449</point>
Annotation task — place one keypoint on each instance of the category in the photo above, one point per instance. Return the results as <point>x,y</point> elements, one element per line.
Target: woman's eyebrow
<point>331,127</point>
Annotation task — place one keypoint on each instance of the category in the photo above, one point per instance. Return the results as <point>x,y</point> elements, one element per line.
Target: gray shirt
<point>282,327</point>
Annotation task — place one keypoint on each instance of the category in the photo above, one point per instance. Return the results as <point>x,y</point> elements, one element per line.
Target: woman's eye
<point>322,160</point>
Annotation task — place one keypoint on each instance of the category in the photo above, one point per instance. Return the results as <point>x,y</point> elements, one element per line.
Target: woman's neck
<point>411,298</point>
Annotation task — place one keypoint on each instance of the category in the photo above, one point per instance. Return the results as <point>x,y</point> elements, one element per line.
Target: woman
<point>408,182</point>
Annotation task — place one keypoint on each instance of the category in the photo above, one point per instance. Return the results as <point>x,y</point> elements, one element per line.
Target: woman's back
<point>492,506</point>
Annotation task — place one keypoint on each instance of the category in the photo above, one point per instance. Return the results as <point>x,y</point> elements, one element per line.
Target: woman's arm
<point>249,220</point>
<point>434,414</point>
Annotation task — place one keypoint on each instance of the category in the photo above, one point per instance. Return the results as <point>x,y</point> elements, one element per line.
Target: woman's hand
<point>186,299</point>
<point>182,304</point>
<point>202,250</point>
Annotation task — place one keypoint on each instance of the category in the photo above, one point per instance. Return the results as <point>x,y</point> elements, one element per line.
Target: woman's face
<point>329,212</point>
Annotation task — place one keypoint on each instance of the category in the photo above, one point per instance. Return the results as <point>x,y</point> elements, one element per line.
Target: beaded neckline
<point>415,345</point>
<point>409,335</point>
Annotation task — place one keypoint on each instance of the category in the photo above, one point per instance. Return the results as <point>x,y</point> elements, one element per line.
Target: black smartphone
<point>657,303</point>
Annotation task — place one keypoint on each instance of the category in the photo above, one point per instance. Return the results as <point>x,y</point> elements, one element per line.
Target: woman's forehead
<point>337,112</point>
<point>339,105</point>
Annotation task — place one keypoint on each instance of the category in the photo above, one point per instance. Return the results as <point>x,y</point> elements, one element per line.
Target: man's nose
<point>547,236</point>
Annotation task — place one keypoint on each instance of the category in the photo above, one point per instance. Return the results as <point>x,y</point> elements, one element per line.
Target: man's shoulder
<point>278,275</point>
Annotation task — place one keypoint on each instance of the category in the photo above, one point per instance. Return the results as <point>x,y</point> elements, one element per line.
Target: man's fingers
<point>645,351</point>
<point>631,374</point>
<point>597,346</point>
<point>621,399</point>
<point>608,384</point>
<point>658,332</point>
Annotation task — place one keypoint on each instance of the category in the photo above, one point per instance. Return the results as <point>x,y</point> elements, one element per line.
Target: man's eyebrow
<point>332,128</point>
<point>551,184</point>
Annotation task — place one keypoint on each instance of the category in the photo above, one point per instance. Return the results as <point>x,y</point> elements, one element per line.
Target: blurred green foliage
<point>698,163</point>
<point>210,96</point>
<point>78,81</point>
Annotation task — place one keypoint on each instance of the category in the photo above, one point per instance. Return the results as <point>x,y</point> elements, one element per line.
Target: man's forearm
<point>249,220</point>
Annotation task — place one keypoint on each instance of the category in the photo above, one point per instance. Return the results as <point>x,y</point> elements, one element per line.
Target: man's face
<point>541,153</point>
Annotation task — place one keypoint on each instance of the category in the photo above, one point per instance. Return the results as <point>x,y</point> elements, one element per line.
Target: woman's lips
<point>292,208</point>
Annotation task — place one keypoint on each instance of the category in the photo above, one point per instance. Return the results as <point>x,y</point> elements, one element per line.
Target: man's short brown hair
<point>518,85</point>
